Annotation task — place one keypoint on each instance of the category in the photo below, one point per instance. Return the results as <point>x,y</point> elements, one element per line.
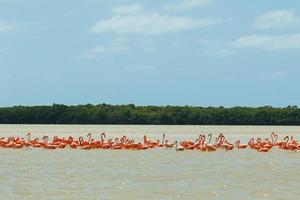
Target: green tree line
<point>167,115</point>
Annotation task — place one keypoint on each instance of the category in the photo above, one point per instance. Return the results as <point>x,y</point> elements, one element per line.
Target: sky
<point>179,52</point>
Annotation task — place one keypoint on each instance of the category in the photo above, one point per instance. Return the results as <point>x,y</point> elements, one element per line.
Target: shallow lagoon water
<point>152,174</point>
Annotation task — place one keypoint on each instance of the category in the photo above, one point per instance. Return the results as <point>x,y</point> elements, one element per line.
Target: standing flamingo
<point>178,148</point>
<point>240,146</point>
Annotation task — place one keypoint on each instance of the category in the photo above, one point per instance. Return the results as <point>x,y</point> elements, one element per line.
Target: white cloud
<point>152,23</point>
<point>6,26</point>
<point>268,42</point>
<point>117,45</point>
<point>275,20</point>
<point>188,4</point>
<point>216,47</point>
<point>127,9</point>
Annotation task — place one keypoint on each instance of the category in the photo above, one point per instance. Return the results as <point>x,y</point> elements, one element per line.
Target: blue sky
<point>180,52</point>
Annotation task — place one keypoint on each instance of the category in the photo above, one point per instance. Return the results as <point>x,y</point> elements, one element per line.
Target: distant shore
<point>149,115</point>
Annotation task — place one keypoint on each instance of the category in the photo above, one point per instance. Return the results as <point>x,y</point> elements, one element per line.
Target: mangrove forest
<point>160,115</point>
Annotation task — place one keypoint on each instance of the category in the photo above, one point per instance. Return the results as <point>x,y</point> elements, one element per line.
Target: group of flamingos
<point>202,143</point>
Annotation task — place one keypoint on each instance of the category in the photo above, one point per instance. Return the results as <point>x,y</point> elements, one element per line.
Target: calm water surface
<point>153,174</point>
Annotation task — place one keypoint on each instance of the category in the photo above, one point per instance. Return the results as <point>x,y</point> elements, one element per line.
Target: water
<point>153,174</point>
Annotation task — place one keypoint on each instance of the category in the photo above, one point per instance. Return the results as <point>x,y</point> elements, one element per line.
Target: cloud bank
<point>152,23</point>
<point>184,5</point>
<point>117,45</point>
<point>269,42</point>
<point>275,20</point>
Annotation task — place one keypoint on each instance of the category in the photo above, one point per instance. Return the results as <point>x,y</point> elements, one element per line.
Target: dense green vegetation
<point>131,114</point>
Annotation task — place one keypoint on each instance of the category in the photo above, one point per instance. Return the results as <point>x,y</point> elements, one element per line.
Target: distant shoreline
<point>105,114</point>
<point>149,125</point>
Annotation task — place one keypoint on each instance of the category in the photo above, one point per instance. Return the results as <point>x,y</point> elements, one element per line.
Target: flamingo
<point>141,146</point>
<point>163,141</point>
<point>206,146</point>
<point>83,145</point>
<point>289,146</point>
<point>240,146</point>
<point>289,143</point>
<point>48,145</point>
<point>226,145</point>
<point>168,145</point>
<point>178,148</point>
<point>28,143</point>
<point>209,146</point>
<point>262,149</point>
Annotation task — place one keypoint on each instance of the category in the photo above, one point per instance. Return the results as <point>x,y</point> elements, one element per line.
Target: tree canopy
<point>160,115</point>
